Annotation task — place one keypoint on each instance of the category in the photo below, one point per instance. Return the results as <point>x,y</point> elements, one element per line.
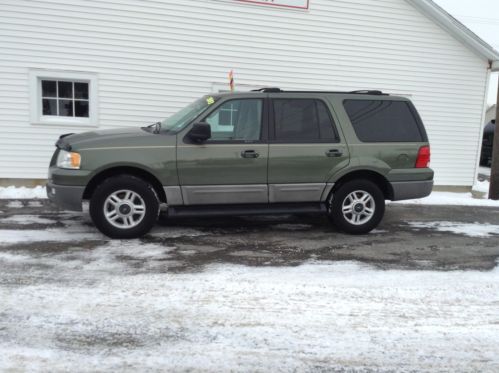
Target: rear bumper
<point>411,189</point>
<point>66,197</point>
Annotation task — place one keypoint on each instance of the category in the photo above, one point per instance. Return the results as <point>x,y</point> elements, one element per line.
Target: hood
<point>121,137</point>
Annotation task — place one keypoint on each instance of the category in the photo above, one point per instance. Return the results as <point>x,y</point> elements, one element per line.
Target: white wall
<point>152,57</point>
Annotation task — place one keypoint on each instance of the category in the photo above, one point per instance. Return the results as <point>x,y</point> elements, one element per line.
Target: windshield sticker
<point>210,100</point>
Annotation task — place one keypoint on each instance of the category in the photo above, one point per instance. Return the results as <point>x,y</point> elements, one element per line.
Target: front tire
<point>357,206</point>
<point>124,206</point>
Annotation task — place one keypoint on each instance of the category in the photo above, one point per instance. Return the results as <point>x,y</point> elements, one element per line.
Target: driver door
<point>230,167</point>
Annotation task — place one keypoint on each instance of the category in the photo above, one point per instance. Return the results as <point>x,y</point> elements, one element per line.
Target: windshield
<point>178,120</point>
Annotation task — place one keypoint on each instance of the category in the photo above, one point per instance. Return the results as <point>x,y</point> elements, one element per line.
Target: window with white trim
<point>63,98</point>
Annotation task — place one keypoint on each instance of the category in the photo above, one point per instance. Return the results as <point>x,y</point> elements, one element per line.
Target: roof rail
<point>268,90</point>
<point>359,92</point>
<point>367,92</point>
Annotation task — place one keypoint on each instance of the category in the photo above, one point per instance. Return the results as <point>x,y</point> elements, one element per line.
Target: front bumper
<point>66,196</point>
<point>403,190</point>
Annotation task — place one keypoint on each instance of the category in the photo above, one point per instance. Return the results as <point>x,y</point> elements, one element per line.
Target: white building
<point>141,60</point>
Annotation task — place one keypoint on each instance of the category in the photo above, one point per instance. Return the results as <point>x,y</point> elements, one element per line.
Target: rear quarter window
<point>384,121</point>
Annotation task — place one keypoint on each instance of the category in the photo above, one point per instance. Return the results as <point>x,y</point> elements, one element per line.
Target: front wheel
<point>124,206</point>
<point>357,206</point>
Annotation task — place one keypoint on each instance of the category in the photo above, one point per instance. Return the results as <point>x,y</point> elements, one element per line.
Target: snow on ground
<point>318,316</point>
<point>470,230</point>
<point>484,170</point>
<point>26,219</point>
<point>456,199</point>
<point>13,192</point>
<point>436,198</point>
<point>450,199</point>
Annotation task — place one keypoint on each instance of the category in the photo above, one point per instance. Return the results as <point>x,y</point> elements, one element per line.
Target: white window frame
<point>35,94</point>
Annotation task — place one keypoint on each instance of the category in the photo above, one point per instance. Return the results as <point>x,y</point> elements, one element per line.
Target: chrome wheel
<point>124,209</point>
<point>358,207</point>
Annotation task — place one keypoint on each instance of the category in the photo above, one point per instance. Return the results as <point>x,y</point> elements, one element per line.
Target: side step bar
<point>260,209</point>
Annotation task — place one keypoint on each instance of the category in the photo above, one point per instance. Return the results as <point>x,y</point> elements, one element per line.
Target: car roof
<point>357,94</point>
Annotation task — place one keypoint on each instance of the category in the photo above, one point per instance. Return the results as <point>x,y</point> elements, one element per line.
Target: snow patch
<point>466,229</point>
<point>342,316</point>
<point>12,192</point>
<point>15,205</point>
<point>449,199</point>
<point>26,219</point>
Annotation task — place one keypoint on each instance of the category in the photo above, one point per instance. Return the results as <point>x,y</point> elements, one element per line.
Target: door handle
<point>249,154</point>
<point>334,153</point>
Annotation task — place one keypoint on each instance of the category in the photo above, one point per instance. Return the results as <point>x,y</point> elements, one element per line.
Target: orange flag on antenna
<point>231,80</point>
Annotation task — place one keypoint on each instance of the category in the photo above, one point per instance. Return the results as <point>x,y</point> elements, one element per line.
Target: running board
<point>259,209</point>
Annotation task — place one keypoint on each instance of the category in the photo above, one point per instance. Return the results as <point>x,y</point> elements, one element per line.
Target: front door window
<point>237,120</point>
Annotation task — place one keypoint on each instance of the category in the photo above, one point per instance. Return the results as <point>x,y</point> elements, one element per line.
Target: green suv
<point>267,151</point>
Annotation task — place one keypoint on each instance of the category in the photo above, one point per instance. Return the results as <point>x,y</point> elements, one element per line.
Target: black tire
<point>340,196</point>
<point>144,220</point>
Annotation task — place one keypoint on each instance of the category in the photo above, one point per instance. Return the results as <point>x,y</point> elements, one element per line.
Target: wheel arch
<point>124,170</point>
<point>373,176</point>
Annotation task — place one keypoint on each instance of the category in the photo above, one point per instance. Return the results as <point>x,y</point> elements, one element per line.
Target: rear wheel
<point>124,206</point>
<point>357,206</point>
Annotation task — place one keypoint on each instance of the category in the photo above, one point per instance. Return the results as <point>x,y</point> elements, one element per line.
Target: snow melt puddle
<point>466,229</point>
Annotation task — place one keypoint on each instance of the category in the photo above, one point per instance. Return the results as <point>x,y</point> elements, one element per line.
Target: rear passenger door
<point>305,149</point>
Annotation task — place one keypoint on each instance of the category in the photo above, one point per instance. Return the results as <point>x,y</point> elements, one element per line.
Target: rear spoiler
<point>62,144</point>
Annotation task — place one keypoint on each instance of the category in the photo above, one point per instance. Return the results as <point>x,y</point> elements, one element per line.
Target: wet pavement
<point>410,237</point>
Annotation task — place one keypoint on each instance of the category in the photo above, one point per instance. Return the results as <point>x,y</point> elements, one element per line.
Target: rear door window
<point>383,121</point>
<point>303,121</point>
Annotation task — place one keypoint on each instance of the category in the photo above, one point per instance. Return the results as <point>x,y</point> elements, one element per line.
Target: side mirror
<point>200,132</point>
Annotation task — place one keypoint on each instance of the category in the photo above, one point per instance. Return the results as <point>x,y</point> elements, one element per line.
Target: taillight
<point>423,159</point>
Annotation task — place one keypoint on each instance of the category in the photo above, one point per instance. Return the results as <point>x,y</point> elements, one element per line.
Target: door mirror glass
<point>200,132</point>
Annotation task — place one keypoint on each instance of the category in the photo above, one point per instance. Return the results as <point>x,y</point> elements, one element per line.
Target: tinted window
<point>238,120</point>
<point>383,121</point>
<point>303,120</point>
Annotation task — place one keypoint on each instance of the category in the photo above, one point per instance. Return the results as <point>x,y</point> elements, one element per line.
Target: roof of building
<point>457,30</point>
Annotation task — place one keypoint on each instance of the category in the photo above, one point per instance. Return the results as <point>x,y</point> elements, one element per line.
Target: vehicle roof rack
<point>367,92</point>
<point>359,92</point>
<point>268,90</point>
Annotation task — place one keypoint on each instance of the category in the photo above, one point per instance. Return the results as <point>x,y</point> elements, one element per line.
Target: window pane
<point>239,120</point>
<point>65,108</point>
<point>81,109</point>
<point>296,120</point>
<point>326,125</point>
<point>49,88</point>
<point>49,106</point>
<point>383,121</point>
<point>66,89</point>
<point>225,117</point>
<point>81,90</point>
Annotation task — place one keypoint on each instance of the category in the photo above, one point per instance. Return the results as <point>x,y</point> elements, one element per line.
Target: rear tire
<point>124,206</point>
<point>357,206</point>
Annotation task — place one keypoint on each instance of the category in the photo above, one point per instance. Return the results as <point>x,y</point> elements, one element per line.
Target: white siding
<point>152,57</point>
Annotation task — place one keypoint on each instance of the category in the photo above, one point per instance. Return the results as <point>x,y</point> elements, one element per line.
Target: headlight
<point>69,160</point>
